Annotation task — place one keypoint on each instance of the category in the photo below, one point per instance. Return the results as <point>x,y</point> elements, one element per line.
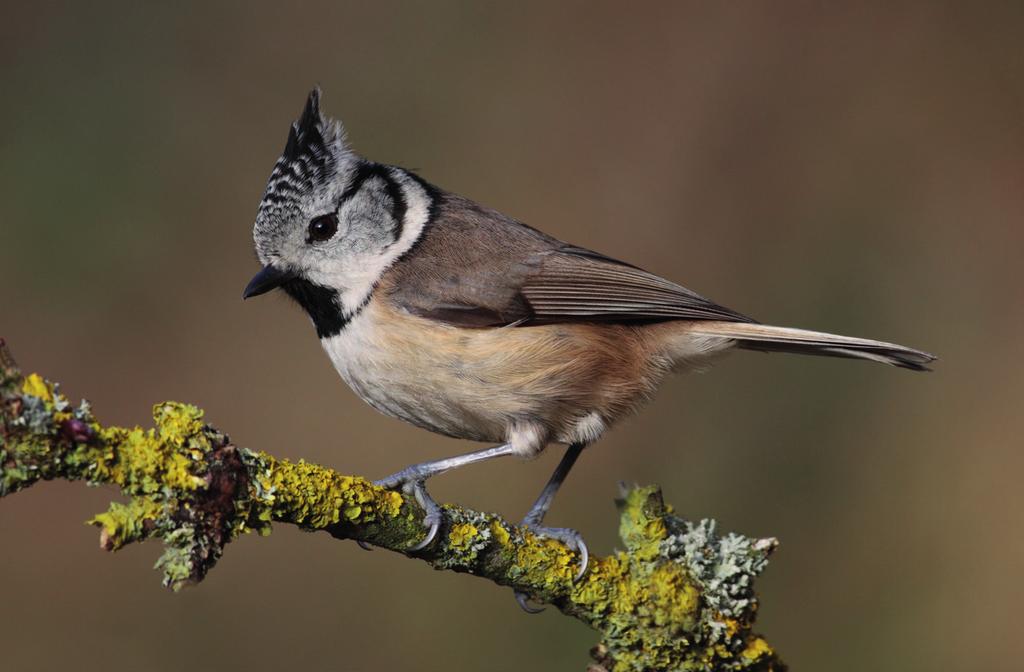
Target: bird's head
<point>329,221</point>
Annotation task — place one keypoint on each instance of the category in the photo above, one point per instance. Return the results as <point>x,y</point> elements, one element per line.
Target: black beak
<point>267,279</point>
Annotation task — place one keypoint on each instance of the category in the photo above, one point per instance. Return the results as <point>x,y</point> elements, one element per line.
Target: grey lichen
<point>724,567</point>
<point>36,416</point>
<point>468,533</point>
<point>678,598</point>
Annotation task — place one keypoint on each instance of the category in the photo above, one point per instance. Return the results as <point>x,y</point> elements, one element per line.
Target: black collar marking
<point>322,304</point>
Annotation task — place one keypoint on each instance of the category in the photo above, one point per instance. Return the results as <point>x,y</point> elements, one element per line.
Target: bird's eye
<point>322,228</point>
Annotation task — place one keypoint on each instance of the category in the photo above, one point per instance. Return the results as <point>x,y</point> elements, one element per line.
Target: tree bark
<point>679,597</point>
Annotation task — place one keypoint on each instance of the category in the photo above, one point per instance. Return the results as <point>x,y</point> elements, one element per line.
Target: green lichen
<point>468,535</point>
<point>181,426</point>
<point>177,476</point>
<point>647,611</point>
<point>124,523</point>
<point>182,547</point>
<point>546,566</point>
<point>316,498</point>
<point>32,411</point>
<point>652,600</point>
<point>642,522</point>
<point>678,597</point>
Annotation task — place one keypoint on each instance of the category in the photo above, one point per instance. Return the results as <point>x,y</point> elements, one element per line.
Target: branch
<point>679,597</point>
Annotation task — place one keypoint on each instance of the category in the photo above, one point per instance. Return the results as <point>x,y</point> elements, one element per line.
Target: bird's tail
<point>784,339</point>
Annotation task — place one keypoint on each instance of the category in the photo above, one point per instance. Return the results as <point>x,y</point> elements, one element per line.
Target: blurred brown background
<point>854,170</point>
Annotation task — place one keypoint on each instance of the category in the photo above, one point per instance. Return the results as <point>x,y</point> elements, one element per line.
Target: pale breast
<point>567,382</point>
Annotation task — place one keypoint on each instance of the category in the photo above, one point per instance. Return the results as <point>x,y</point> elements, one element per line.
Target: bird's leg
<point>535,516</point>
<point>411,480</point>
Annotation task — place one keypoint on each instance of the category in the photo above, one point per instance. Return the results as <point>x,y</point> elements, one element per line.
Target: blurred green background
<point>848,169</point>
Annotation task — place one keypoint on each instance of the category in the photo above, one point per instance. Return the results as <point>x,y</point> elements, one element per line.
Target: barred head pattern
<point>311,156</point>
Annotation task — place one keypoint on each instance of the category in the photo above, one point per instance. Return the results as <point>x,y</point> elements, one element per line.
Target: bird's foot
<point>411,481</point>
<point>572,539</point>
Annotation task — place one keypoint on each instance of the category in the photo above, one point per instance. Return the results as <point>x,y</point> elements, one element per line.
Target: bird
<point>458,319</point>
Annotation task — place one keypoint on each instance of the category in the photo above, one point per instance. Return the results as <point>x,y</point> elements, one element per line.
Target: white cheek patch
<point>362,272</point>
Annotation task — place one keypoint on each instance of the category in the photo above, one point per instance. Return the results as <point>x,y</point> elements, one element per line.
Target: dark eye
<point>322,228</point>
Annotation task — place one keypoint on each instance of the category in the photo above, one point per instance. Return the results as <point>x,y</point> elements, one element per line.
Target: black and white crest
<point>311,156</point>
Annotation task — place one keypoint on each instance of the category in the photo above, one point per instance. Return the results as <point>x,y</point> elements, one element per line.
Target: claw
<point>571,538</point>
<point>433,520</point>
<point>523,600</point>
<point>410,484</point>
<point>584,558</point>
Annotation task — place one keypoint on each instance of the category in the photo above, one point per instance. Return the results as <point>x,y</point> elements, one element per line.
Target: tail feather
<point>801,341</point>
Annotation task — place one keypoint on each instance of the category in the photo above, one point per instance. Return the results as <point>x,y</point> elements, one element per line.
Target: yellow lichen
<point>317,497</point>
<point>148,465</point>
<point>124,523</point>
<point>35,386</point>
<point>604,578</point>
<point>642,526</point>
<point>757,648</point>
<point>643,600</point>
<point>56,403</point>
<point>546,561</point>
<point>461,536</point>
<point>499,533</point>
<point>179,424</point>
<point>674,600</point>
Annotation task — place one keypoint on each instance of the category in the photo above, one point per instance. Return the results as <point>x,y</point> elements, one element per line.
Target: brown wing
<point>575,284</point>
<point>475,267</point>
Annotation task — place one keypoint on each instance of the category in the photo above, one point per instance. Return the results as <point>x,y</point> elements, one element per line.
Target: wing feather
<point>573,283</point>
<point>474,267</point>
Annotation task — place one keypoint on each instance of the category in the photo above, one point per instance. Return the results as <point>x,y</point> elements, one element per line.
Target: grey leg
<point>411,480</point>
<point>535,516</point>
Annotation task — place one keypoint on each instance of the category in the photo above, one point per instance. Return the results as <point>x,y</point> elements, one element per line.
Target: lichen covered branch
<point>679,597</point>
